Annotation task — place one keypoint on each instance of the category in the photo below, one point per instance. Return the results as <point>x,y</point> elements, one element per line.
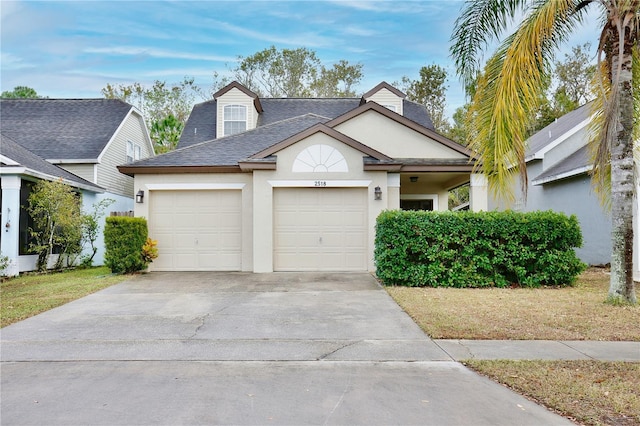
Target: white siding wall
<point>235,97</point>
<point>116,154</point>
<point>85,171</point>
<point>385,97</point>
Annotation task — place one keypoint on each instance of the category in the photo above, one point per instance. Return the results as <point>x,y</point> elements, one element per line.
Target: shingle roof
<point>228,151</point>
<point>557,129</point>
<point>62,129</point>
<point>574,164</point>
<point>34,163</point>
<point>201,125</point>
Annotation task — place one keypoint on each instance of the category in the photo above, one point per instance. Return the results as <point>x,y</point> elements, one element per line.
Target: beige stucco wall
<point>264,182</point>
<point>394,139</point>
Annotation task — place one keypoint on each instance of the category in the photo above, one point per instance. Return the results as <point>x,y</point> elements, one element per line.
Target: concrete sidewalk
<point>540,350</point>
<point>235,348</point>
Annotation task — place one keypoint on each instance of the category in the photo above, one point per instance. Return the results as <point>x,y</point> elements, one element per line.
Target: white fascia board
<point>192,186</point>
<point>539,155</point>
<point>564,175</point>
<point>28,172</point>
<point>72,161</point>
<point>8,161</point>
<point>12,170</point>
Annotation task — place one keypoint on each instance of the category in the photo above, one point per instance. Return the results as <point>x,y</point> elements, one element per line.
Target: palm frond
<point>480,22</point>
<point>509,91</point>
<point>599,144</point>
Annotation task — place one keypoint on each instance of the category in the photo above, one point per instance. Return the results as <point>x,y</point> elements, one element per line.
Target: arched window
<point>318,159</point>
<point>235,119</point>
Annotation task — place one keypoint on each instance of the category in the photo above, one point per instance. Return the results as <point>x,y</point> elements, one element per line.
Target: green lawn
<point>30,294</point>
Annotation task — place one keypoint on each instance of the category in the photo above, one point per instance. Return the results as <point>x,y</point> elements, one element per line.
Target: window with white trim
<point>133,152</point>
<point>390,107</point>
<point>235,119</point>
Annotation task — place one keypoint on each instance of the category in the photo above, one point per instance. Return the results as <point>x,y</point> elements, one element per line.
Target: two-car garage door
<point>197,230</point>
<point>314,229</point>
<point>320,229</point>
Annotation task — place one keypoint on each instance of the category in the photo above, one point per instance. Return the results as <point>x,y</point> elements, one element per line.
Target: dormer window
<point>390,107</point>
<point>235,119</point>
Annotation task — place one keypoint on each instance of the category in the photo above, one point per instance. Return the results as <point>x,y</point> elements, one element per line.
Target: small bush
<point>124,238</point>
<point>469,249</point>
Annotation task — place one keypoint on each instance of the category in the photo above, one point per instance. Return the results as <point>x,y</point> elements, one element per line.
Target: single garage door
<point>197,230</point>
<point>320,229</point>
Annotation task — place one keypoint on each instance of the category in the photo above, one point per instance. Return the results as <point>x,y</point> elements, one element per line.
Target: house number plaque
<point>320,183</point>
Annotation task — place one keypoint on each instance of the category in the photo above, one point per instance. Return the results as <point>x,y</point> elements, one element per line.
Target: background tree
<point>508,94</point>
<point>165,107</point>
<point>569,87</point>
<point>429,90</point>
<point>295,73</point>
<point>20,92</point>
<point>55,209</point>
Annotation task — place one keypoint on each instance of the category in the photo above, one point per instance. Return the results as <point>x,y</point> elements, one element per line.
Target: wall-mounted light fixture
<point>377,193</point>
<point>140,197</point>
<point>413,179</point>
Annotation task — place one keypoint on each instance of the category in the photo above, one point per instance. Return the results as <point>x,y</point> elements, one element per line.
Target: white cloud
<point>13,62</point>
<point>156,53</point>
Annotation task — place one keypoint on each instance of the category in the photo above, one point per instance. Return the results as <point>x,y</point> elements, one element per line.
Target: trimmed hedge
<point>124,238</point>
<point>469,249</point>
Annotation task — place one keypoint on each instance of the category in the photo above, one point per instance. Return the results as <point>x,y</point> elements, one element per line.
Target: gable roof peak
<point>383,85</point>
<point>236,85</point>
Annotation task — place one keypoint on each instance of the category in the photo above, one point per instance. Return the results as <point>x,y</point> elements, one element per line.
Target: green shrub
<point>468,249</point>
<point>124,238</point>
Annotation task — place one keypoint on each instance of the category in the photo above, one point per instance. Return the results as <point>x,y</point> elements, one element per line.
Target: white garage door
<point>196,230</point>
<point>320,229</point>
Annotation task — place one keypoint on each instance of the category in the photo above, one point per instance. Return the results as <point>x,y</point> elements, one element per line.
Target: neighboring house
<point>294,184</point>
<point>558,167</point>
<point>81,141</point>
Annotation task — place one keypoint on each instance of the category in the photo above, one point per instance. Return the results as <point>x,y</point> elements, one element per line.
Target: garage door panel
<point>197,230</point>
<point>320,229</point>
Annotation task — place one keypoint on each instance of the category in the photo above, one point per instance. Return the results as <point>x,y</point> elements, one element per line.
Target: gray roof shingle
<point>574,162</point>
<point>62,129</point>
<point>228,151</point>
<point>34,163</point>
<point>201,125</point>
<point>557,129</point>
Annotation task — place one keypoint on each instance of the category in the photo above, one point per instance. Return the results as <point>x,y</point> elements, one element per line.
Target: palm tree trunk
<point>622,176</point>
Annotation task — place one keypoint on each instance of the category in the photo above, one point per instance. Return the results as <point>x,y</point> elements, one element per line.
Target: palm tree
<point>510,86</point>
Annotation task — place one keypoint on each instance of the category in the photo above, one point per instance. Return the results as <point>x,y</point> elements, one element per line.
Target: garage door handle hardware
<point>320,240</point>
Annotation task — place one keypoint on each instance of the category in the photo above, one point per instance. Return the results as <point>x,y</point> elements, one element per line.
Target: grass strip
<point>589,392</point>
<point>30,294</point>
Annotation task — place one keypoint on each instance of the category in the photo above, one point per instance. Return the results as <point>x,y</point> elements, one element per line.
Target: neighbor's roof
<point>201,125</point>
<point>62,129</point>
<point>20,160</point>
<point>557,131</point>
<point>575,164</point>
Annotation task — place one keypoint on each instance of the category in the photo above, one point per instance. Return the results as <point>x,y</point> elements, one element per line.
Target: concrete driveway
<point>236,348</point>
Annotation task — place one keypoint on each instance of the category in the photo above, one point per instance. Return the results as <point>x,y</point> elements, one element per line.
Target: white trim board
<point>192,186</point>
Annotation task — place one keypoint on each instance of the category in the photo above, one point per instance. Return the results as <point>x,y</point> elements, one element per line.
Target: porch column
<point>10,226</point>
<point>478,193</point>
<point>393,191</point>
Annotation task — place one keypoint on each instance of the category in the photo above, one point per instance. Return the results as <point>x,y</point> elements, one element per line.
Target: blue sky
<point>72,49</point>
